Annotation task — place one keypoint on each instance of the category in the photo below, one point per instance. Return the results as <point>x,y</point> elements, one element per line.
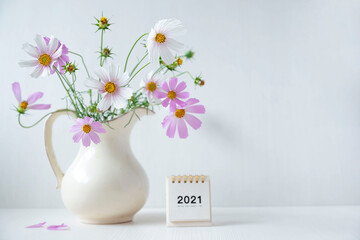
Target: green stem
<point>185,73</point>
<point>113,113</point>
<point>82,59</point>
<point>33,125</point>
<point>101,47</point>
<point>73,75</point>
<point>132,115</point>
<point>138,64</point>
<point>101,62</point>
<point>138,90</point>
<point>72,88</point>
<point>87,71</point>
<point>72,101</point>
<point>158,70</point>
<point>127,58</point>
<point>90,93</point>
<point>138,72</point>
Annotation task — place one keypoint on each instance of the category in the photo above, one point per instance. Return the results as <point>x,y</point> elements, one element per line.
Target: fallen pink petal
<point>58,227</point>
<point>39,225</point>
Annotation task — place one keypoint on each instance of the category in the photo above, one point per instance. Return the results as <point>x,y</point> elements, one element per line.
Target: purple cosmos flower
<point>28,104</point>
<point>86,130</point>
<point>173,93</point>
<point>62,60</point>
<point>45,55</point>
<point>151,86</point>
<point>177,119</point>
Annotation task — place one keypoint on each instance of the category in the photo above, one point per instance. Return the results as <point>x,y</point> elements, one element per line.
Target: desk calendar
<point>188,201</point>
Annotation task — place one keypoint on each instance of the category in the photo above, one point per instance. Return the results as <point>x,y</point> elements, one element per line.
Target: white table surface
<point>250,223</point>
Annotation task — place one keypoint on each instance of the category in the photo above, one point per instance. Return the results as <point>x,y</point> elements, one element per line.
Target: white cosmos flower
<point>161,41</point>
<point>113,86</point>
<point>151,86</point>
<point>45,55</point>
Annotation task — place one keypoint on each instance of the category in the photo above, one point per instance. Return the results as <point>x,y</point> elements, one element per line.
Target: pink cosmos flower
<point>113,85</point>
<point>151,86</point>
<point>62,60</point>
<point>86,130</point>
<point>45,55</point>
<point>173,93</point>
<point>177,119</point>
<point>28,104</point>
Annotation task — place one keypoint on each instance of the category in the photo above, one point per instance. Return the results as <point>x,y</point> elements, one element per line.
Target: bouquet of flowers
<point>109,93</point>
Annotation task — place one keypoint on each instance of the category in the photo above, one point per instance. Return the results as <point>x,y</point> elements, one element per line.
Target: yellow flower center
<point>44,59</point>
<point>23,105</point>
<point>151,86</point>
<point>171,94</point>
<point>180,113</point>
<point>103,20</point>
<point>110,87</point>
<point>179,61</point>
<point>86,128</point>
<point>160,38</point>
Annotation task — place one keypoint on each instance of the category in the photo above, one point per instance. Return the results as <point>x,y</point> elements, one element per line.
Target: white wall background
<point>282,96</point>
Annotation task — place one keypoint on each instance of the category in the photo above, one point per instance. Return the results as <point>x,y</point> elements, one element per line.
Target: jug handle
<point>49,144</point>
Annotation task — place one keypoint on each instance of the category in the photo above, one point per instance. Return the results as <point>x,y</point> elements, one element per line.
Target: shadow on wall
<point>220,131</point>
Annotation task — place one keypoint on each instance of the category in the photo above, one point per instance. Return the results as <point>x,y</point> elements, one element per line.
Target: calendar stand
<point>188,201</point>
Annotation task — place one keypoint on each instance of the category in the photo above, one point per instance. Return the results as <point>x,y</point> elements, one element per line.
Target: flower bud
<point>70,67</point>
<point>189,54</point>
<point>92,109</point>
<point>179,61</point>
<point>106,52</point>
<point>172,66</point>
<point>102,23</point>
<point>199,81</point>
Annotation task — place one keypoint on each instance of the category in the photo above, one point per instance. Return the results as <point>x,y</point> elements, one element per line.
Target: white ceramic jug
<point>105,183</point>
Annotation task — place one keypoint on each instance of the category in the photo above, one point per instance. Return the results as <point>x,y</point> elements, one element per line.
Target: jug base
<point>117,220</point>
